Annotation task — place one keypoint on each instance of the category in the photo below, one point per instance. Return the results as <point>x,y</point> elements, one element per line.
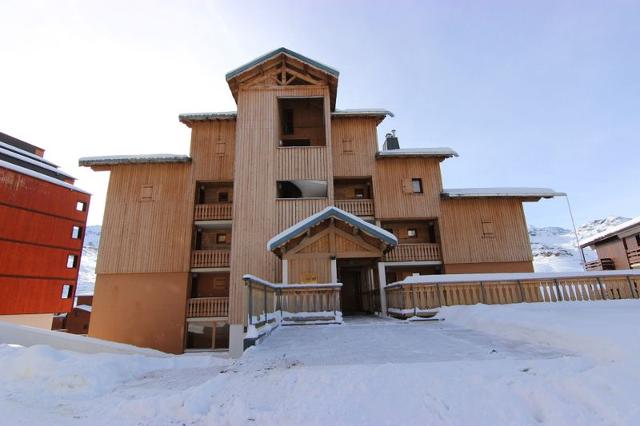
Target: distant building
<point>42,223</point>
<point>617,248</point>
<point>292,190</point>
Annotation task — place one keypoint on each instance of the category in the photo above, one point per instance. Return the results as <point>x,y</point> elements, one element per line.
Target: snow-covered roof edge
<point>418,152</point>
<point>37,175</point>
<point>84,307</point>
<point>610,232</point>
<point>207,116</point>
<point>36,163</point>
<point>327,212</point>
<point>500,192</point>
<point>515,276</point>
<point>26,153</point>
<point>108,160</point>
<point>322,67</point>
<point>362,112</point>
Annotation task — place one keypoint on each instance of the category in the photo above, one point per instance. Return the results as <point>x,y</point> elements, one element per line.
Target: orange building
<point>296,192</point>
<point>42,222</point>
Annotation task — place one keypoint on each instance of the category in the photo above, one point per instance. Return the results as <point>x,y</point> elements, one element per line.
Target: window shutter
<point>488,230</point>
<point>407,187</point>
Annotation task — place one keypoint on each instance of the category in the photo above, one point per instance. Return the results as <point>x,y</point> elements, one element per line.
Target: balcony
<point>633,256</point>
<point>208,307</point>
<point>213,211</point>
<point>604,264</point>
<point>414,252</point>
<point>210,259</point>
<point>358,207</point>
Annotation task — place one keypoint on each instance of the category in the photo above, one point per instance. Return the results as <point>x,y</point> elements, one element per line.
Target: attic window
<point>416,185</point>
<point>220,148</point>
<point>347,146</point>
<point>488,229</point>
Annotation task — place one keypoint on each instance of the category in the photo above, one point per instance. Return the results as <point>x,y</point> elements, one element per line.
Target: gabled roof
<point>610,232</point>
<point>330,212</point>
<point>501,192</point>
<point>282,50</point>
<point>442,152</point>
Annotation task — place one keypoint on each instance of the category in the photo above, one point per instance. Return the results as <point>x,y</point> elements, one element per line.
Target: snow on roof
<point>108,160</point>
<point>362,112</point>
<point>501,192</point>
<point>417,152</point>
<point>274,53</point>
<point>207,116</point>
<point>522,276</point>
<point>37,175</point>
<point>26,153</point>
<point>84,307</point>
<point>331,211</point>
<point>37,163</point>
<point>610,232</point>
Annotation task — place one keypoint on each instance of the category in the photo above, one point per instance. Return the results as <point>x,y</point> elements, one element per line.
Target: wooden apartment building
<point>42,222</point>
<point>617,248</point>
<point>290,189</point>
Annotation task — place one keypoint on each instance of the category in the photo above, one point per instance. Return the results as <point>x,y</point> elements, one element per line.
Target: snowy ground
<point>565,363</point>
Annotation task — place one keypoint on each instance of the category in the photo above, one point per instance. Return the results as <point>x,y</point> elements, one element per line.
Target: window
<point>81,206</point>
<point>220,147</point>
<point>416,185</point>
<point>302,189</point>
<point>223,197</point>
<point>146,193</point>
<point>412,233</point>
<point>359,192</point>
<point>66,291</point>
<point>76,232</point>
<point>487,229</point>
<point>72,261</point>
<point>221,238</point>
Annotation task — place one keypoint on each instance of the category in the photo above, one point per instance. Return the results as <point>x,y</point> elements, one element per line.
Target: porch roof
<point>327,213</point>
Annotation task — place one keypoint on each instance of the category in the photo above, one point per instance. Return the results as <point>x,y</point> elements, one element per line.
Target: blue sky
<point>529,93</point>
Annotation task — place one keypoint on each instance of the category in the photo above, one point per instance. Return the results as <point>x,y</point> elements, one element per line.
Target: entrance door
<point>350,302</point>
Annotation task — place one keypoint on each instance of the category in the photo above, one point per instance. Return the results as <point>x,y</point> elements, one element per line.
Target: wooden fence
<point>210,258</point>
<point>414,298</point>
<point>414,252</point>
<point>358,207</point>
<point>214,211</point>
<point>208,307</point>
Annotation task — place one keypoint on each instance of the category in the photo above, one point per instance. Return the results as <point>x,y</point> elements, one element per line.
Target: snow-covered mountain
<point>554,249</point>
<point>87,276</point>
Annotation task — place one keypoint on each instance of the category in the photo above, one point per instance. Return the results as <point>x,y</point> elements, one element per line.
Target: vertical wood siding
<point>359,135</point>
<point>213,150</point>
<point>302,163</point>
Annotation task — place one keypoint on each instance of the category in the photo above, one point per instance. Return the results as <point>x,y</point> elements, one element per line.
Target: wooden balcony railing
<point>633,256</point>
<point>215,211</point>
<point>202,307</point>
<point>421,296</point>
<point>358,207</point>
<point>210,258</point>
<point>604,264</point>
<point>417,251</point>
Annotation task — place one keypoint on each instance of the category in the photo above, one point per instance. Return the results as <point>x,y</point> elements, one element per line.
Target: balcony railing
<point>215,211</point>
<point>604,264</point>
<point>414,252</point>
<point>203,307</point>
<point>358,207</point>
<point>633,256</point>
<point>210,258</point>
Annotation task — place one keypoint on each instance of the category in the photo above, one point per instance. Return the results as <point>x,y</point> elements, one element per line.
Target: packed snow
<point>556,363</point>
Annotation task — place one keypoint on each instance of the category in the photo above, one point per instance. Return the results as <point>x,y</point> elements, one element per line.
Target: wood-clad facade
<point>618,248</point>
<point>196,225</point>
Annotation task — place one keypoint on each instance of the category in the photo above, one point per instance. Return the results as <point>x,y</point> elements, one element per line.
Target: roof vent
<point>391,141</point>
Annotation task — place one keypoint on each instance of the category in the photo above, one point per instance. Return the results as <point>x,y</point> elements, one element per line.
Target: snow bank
<point>604,330</point>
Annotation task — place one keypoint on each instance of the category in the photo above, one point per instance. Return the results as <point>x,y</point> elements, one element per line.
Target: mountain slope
<point>87,275</point>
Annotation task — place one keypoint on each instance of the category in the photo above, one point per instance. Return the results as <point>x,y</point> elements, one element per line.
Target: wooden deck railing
<point>358,207</point>
<point>418,251</point>
<point>604,264</point>
<point>210,258</point>
<point>411,298</point>
<point>633,256</point>
<point>268,302</point>
<point>214,211</point>
<point>208,307</point>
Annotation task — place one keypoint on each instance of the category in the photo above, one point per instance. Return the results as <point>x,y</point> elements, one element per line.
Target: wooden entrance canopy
<point>335,233</point>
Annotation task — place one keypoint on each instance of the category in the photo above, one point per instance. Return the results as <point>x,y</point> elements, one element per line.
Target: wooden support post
<point>413,299</point>
<point>602,292</point>
<point>250,301</point>
<point>438,290</point>
<point>633,296</point>
<point>559,293</point>
<point>285,271</point>
<point>265,304</point>
<point>382,281</point>
<point>484,295</point>
<point>521,291</point>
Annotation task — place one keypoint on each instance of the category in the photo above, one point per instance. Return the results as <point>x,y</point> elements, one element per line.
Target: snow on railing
<point>421,295</point>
